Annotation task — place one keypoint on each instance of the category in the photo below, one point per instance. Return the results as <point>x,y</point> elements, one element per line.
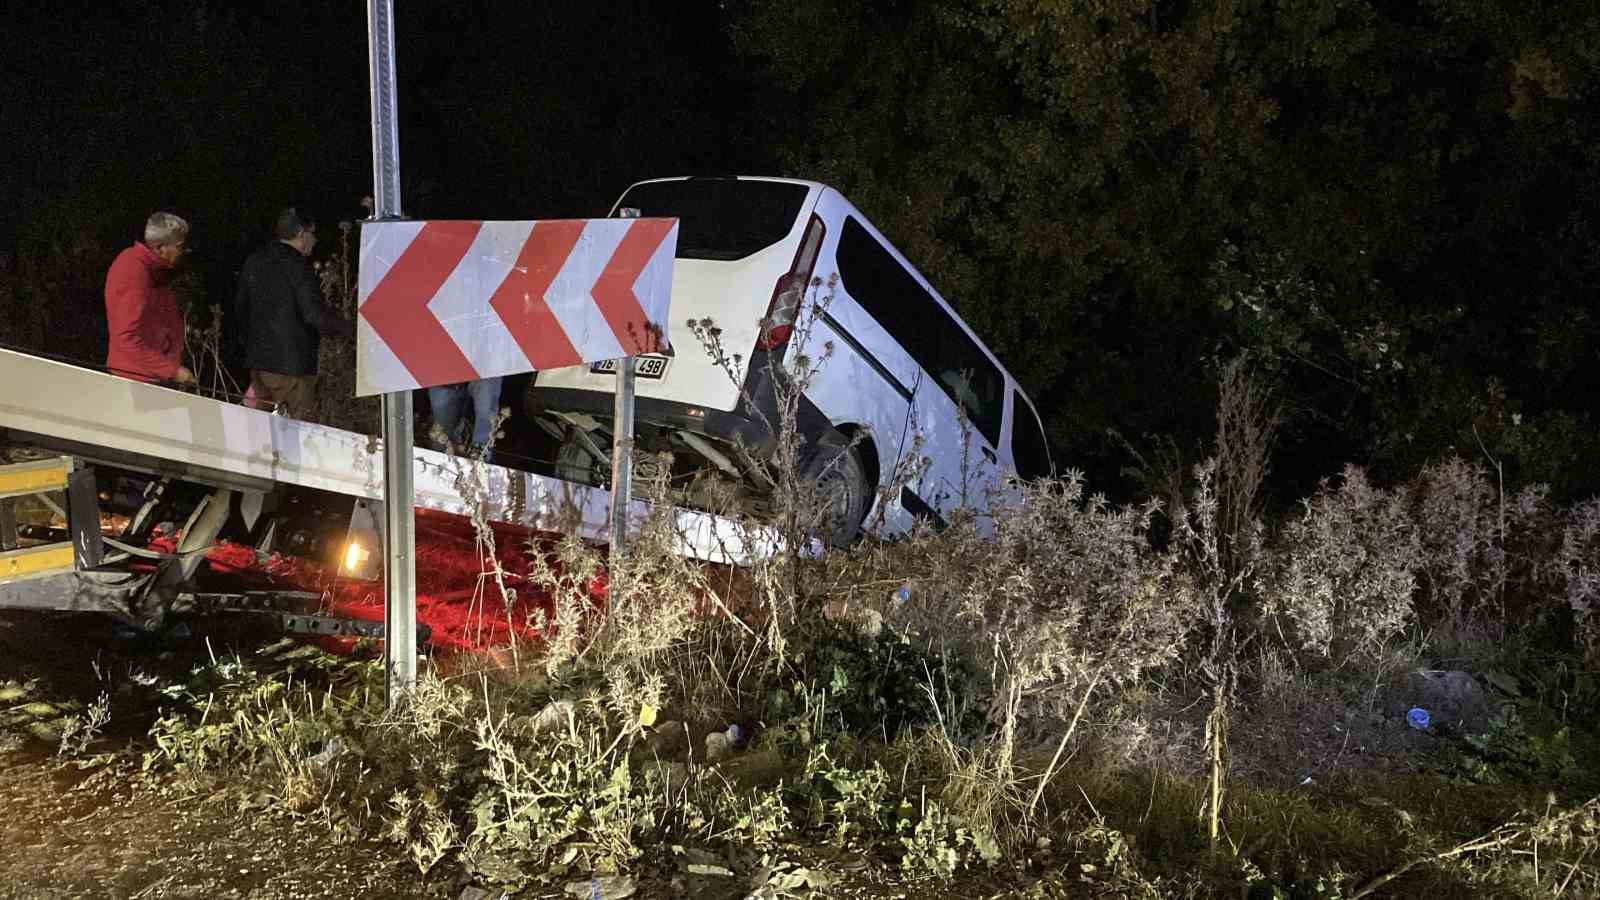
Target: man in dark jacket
<point>280,305</point>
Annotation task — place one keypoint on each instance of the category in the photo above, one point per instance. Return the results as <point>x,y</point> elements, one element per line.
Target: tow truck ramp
<point>240,459</point>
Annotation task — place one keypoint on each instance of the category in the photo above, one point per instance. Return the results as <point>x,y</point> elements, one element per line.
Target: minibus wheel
<point>842,489</point>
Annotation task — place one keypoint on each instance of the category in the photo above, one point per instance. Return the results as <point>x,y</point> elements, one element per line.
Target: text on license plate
<point>643,366</point>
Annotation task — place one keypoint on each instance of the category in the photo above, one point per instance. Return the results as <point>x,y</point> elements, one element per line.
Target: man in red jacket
<point>142,316</point>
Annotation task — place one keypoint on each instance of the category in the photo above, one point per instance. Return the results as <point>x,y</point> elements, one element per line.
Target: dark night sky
<point>228,111</point>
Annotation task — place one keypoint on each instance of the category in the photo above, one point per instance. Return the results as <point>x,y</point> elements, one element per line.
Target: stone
<point>671,775</point>
<point>668,738</point>
<point>1453,698</point>
<point>718,747</point>
<point>553,716</point>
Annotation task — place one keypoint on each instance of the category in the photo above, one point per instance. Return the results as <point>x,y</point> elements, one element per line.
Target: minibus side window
<point>891,295</point>
<point>1029,450</point>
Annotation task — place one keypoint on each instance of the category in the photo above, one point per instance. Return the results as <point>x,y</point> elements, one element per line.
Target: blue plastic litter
<point>735,734</point>
<point>1418,718</point>
<point>902,593</point>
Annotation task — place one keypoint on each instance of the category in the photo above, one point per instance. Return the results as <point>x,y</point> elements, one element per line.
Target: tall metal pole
<point>622,458</point>
<point>622,446</point>
<point>399,490</point>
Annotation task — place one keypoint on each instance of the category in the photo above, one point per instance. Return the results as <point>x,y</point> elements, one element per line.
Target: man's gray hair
<point>164,228</point>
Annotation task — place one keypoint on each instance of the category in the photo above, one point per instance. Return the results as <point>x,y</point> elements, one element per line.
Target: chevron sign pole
<point>399,489</point>
<point>443,302</point>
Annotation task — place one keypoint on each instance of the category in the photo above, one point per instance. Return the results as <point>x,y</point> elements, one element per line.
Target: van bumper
<point>750,424</point>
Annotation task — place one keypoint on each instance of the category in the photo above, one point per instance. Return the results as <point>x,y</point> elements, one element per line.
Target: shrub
<point>1577,564</point>
<point>1068,594</point>
<point>1342,577</point>
<point>1479,548</point>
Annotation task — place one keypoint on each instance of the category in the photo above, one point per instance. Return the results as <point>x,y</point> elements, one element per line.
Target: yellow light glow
<point>354,556</point>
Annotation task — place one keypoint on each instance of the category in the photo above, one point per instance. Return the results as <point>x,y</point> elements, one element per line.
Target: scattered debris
<point>785,878</point>
<point>330,752</point>
<point>603,887</point>
<point>553,716</point>
<point>722,744</point>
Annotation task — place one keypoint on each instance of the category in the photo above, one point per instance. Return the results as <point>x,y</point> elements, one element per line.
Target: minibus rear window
<point>721,218</point>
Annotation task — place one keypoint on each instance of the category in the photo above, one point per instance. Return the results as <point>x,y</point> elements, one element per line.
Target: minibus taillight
<point>778,325</point>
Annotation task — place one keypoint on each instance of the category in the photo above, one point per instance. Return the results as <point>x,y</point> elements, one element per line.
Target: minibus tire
<point>834,467</point>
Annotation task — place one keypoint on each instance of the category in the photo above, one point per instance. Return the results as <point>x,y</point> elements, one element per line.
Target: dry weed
<point>1342,580</point>
<point>1578,564</point>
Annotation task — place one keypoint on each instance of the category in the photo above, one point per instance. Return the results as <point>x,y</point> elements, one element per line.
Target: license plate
<point>643,366</point>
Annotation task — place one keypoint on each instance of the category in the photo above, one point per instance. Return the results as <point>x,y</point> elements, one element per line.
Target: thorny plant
<point>796,465</point>
<point>202,354</point>
<point>1479,547</point>
<point>80,731</point>
<point>1220,533</point>
<point>1247,424</point>
<point>1066,600</point>
<point>470,475</point>
<point>1577,828</point>
<point>799,508</point>
<point>1577,565</point>
<point>631,618</point>
<point>621,622</point>
<point>1160,472</point>
<point>1344,572</point>
<point>337,403</point>
<point>1220,573</point>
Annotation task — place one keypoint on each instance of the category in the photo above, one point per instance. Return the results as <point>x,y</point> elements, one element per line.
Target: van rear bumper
<point>751,423</point>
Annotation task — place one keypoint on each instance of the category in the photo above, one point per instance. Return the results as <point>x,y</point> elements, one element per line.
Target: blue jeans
<point>449,403</point>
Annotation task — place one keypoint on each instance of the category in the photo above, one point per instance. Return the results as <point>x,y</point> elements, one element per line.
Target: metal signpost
<point>622,458</point>
<point>622,447</point>
<point>399,535</point>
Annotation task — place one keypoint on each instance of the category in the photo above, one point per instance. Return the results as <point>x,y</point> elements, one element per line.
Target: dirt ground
<point>102,837</point>
<point>100,832</point>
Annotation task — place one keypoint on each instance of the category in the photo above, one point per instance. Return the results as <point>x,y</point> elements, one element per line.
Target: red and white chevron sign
<point>448,301</point>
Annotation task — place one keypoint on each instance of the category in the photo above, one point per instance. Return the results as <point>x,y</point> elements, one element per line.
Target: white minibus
<point>756,257</point>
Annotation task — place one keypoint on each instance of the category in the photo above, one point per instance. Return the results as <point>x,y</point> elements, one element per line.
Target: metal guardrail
<point>101,418</point>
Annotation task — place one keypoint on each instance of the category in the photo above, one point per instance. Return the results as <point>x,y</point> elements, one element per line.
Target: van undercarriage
<point>712,460</point>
